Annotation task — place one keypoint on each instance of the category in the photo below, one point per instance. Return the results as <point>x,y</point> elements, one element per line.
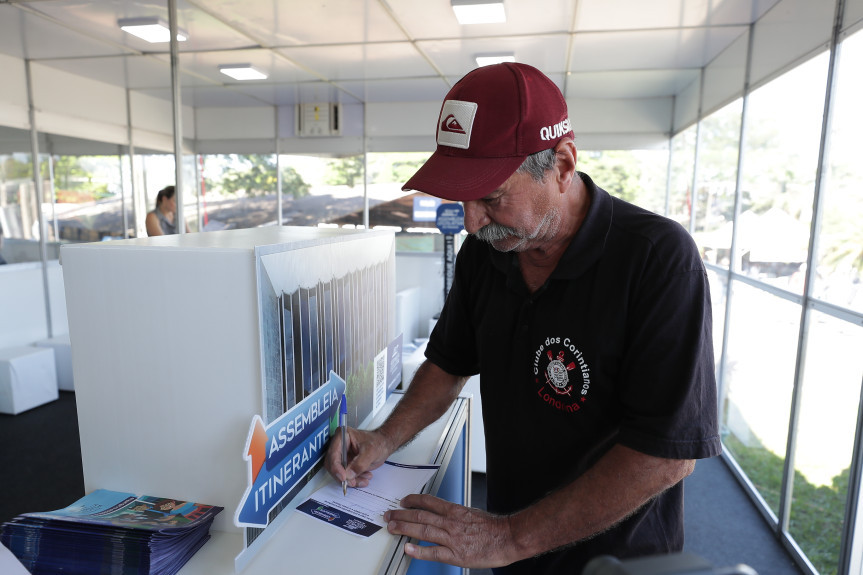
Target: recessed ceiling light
<point>152,29</point>
<point>479,11</point>
<point>242,72</point>
<point>489,59</point>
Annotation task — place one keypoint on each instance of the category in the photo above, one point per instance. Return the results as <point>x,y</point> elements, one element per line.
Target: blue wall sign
<point>450,218</point>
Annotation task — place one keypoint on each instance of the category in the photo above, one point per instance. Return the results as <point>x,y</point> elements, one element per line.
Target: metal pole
<point>37,180</point>
<point>667,206</point>
<point>123,194</point>
<point>179,218</point>
<point>130,137</point>
<point>198,199</point>
<point>726,329</point>
<point>53,191</point>
<point>278,174</point>
<point>365,170</point>
<point>693,190</point>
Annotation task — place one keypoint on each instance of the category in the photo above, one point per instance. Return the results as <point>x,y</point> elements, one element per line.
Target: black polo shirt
<point>616,347</point>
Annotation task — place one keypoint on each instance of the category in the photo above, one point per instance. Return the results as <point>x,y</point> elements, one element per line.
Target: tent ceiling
<point>378,51</point>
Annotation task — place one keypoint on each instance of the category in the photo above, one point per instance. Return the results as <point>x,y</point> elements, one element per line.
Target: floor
<point>40,470</point>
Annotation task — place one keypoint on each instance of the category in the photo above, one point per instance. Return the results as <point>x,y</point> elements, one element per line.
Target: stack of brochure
<point>111,532</point>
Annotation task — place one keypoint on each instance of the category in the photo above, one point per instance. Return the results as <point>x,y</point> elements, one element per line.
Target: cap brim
<point>462,179</point>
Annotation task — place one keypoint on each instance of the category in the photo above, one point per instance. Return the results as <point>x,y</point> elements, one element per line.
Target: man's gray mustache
<point>495,232</point>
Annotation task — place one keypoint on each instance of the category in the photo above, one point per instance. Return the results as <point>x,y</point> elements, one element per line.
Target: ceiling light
<point>479,11</point>
<point>242,72</point>
<point>151,29</point>
<point>489,59</point>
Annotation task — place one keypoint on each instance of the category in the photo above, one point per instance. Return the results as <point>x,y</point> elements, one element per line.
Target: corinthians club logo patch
<point>561,374</point>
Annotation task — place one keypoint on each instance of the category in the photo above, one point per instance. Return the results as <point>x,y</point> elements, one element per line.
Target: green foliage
<point>74,182</point>
<point>14,169</point>
<point>817,512</point>
<point>345,171</point>
<point>616,172</point>
<point>68,172</point>
<point>256,175</point>
<point>402,170</point>
<point>253,175</point>
<point>293,183</point>
<point>717,164</point>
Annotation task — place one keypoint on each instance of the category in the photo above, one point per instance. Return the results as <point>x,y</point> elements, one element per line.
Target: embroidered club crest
<point>555,373</point>
<point>561,374</point>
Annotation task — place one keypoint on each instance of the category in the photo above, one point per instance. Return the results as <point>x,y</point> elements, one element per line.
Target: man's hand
<point>427,398</point>
<point>367,450</point>
<point>463,536</point>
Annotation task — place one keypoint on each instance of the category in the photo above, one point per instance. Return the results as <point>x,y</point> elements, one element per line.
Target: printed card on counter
<point>361,511</point>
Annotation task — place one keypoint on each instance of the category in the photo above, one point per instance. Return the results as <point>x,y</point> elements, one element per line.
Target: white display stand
<point>167,358</point>
<point>62,360</point>
<point>28,378</point>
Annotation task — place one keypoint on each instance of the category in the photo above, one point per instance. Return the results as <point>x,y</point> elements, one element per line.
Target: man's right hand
<point>367,450</point>
<point>428,397</point>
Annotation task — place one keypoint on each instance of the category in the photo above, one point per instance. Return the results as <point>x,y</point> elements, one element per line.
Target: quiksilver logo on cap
<point>450,124</point>
<point>555,131</point>
<point>456,123</point>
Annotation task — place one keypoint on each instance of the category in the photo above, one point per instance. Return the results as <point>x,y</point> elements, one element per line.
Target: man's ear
<point>566,160</point>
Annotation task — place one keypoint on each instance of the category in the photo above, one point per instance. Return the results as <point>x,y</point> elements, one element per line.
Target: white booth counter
<point>304,545</point>
<point>178,342</point>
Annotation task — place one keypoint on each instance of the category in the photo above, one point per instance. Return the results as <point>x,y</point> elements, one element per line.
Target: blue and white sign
<point>282,453</point>
<point>450,218</point>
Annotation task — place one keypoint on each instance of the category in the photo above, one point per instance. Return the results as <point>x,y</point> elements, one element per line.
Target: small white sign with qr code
<point>380,387</point>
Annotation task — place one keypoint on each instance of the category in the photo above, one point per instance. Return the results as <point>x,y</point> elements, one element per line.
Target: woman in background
<point>161,221</point>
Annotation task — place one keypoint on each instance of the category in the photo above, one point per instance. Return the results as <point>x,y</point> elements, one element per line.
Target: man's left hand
<point>460,535</point>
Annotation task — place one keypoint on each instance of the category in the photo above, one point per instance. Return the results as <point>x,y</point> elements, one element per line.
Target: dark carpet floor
<point>40,470</point>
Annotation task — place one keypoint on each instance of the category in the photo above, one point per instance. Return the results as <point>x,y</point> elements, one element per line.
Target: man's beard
<point>494,233</point>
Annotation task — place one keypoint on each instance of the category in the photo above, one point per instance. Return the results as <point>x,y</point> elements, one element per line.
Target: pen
<point>343,416</point>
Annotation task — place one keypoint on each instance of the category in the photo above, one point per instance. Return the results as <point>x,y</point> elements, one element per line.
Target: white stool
<point>62,360</point>
<point>28,378</point>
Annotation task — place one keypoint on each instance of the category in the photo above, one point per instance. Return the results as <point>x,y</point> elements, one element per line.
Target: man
<point>589,322</point>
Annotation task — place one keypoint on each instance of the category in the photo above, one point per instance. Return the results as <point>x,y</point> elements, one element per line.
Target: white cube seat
<point>62,360</point>
<point>28,378</point>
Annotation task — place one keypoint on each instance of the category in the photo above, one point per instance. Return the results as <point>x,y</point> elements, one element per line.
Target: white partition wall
<point>167,356</point>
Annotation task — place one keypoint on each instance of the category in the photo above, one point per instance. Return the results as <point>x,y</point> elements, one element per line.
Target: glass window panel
<point>637,176</point>
<point>759,376</point>
<point>779,164</point>
<point>159,172</point>
<point>716,181</point>
<point>682,166</point>
<point>825,437</point>
<point>840,251</point>
<point>87,197</point>
<point>19,239</point>
<point>192,208</point>
<point>410,214</point>
<point>240,190</point>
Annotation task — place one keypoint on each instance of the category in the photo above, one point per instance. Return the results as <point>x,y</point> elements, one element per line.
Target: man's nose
<point>475,216</point>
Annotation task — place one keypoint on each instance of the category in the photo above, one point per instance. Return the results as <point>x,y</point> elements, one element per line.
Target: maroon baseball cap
<point>490,121</point>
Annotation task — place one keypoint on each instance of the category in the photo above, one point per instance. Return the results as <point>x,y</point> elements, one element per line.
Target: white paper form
<point>361,511</point>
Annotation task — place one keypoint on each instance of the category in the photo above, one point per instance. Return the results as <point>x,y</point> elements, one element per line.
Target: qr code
<point>380,386</point>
